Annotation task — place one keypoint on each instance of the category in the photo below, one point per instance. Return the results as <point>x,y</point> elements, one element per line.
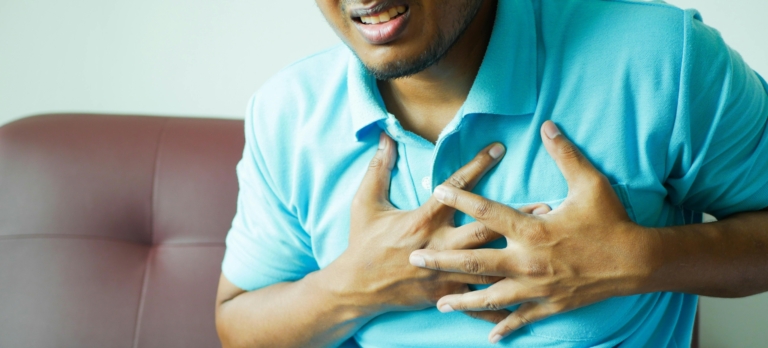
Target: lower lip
<point>379,34</point>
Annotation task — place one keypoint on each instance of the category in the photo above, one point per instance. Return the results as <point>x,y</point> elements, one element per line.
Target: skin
<point>588,250</point>
<point>426,101</point>
<point>551,264</point>
<point>371,277</point>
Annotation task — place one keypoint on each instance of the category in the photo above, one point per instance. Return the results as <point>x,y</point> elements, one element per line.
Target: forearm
<point>304,313</point>
<point>728,258</point>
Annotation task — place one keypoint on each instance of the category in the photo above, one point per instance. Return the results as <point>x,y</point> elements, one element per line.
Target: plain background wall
<point>205,58</point>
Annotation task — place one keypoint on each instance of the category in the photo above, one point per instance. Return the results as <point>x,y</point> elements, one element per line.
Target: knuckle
<point>376,163</point>
<point>471,264</point>
<point>535,233</point>
<point>435,264</point>
<point>508,328</point>
<point>458,180</point>
<point>521,318</point>
<point>481,234</point>
<point>569,151</point>
<point>596,182</point>
<point>491,303</point>
<point>535,269</point>
<point>482,209</point>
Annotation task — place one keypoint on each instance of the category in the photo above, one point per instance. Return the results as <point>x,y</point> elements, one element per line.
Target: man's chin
<point>402,68</point>
<point>393,71</point>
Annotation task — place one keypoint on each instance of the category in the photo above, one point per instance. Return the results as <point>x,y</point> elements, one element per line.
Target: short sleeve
<point>718,153</point>
<point>266,243</point>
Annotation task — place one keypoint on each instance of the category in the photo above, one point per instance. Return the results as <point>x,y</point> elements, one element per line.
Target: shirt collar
<point>505,83</point>
<point>365,101</point>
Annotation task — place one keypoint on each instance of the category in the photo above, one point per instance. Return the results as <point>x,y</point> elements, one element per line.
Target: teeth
<point>383,17</point>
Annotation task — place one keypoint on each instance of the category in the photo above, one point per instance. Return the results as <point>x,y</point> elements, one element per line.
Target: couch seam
<point>142,295</point>
<point>152,196</point>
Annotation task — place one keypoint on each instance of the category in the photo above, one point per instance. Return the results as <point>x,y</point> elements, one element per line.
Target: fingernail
<point>540,211</point>
<point>495,339</point>
<point>496,151</point>
<point>445,308</point>
<point>551,130</point>
<point>417,261</point>
<point>382,141</point>
<point>440,193</point>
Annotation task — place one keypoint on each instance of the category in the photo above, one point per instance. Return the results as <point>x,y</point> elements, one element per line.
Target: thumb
<point>374,189</point>
<point>576,168</point>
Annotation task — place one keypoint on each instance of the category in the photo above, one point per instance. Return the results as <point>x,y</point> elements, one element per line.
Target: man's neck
<point>426,102</point>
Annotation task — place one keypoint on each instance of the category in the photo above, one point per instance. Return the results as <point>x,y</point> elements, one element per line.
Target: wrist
<point>341,283</point>
<point>650,258</point>
<point>645,252</point>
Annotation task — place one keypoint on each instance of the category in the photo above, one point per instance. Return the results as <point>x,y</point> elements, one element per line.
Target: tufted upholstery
<point>112,229</point>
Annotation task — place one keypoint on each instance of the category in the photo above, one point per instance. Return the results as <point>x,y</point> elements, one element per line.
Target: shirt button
<point>426,183</point>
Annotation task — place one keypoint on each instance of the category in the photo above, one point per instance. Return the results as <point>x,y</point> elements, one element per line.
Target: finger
<point>490,316</point>
<point>471,236</point>
<point>535,209</point>
<point>489,262</point>
<point>467,176</point>
<point>528,313</point>
<point>498,217</point>
<point>477,234</point>
<point>374,189</point>
<point>577,169</point>
<point>470,278</point>
<point>498,296</point>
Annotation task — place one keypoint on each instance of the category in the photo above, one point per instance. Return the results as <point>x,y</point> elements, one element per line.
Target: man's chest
<point>525,175</point>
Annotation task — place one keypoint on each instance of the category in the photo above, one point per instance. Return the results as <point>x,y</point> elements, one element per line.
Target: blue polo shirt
<point>653,97</point>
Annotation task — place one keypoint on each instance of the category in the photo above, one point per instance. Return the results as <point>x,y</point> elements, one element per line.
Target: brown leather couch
<point>112,229</point>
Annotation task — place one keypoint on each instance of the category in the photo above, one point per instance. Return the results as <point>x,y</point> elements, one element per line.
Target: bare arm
<point>308,312</point>
<point>727,258</point>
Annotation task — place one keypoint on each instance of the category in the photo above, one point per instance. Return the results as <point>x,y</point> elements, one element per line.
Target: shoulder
<point>646,29</point>
<point>293,112</point>
<point>306,90</point>
<point>305,81</point>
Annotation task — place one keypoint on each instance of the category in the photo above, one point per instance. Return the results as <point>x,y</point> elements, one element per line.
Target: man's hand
<point>374,270</point>
<point>585,251</point>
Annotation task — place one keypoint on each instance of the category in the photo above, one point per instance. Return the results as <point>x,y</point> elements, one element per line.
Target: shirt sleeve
<point>718,154</point>
<point>266,243</point>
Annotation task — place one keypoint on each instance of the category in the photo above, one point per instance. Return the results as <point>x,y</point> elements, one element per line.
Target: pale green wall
<point>170,57</point>
<point>205,58</point>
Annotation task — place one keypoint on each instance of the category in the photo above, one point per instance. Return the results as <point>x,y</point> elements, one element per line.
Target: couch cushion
<point>112,229</point>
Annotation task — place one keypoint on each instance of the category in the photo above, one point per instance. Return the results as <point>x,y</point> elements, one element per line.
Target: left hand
<point>585,251</point>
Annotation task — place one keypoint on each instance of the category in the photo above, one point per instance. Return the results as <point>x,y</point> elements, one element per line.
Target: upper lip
<point>375,8</point>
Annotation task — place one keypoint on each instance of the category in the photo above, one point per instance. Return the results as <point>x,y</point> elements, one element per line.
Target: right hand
<point>374,270</point>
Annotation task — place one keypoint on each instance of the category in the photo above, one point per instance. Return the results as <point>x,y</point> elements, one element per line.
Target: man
<point>329,247</point>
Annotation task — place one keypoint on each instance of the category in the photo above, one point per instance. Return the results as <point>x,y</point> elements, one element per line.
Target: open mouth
<point>382,16</point>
